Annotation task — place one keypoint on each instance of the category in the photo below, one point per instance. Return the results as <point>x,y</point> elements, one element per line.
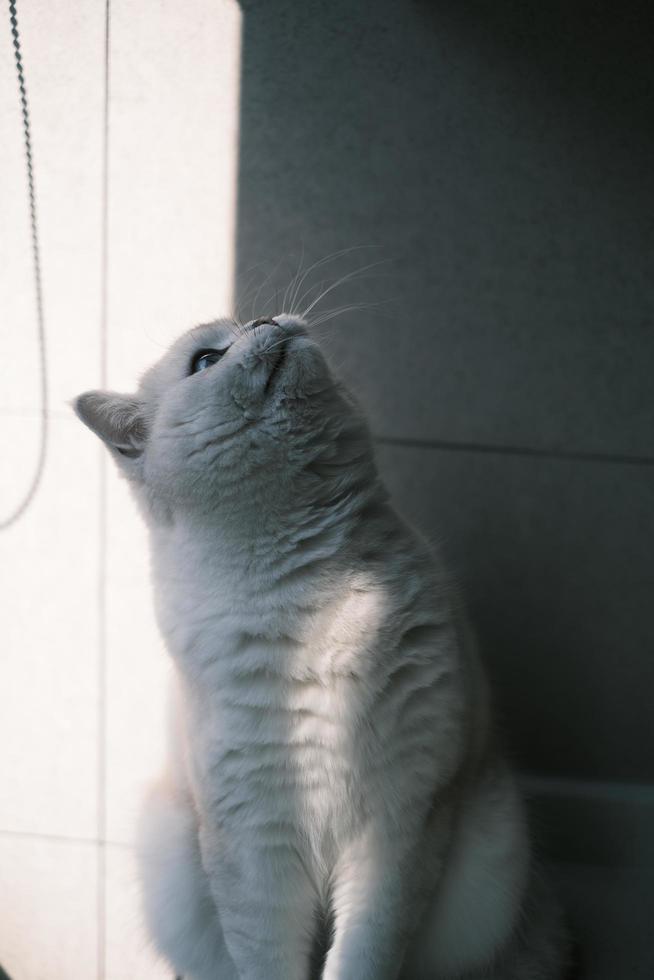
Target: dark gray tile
<point>592,822</point>
<point>610,910</point>
<point>555,559</point>
<point>502,156</point>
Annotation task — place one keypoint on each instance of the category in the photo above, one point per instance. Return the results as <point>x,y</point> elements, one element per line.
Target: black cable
<point>40,463</point>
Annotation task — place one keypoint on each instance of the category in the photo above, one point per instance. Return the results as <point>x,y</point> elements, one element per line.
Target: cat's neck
<point>217,592</point>
<point>265,563</point>
<point>257,548</point>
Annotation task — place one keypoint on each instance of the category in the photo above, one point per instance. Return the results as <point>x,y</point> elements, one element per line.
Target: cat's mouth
<point>280,355</point>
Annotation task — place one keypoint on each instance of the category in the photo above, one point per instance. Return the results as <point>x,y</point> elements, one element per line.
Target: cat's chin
<point>277,369</point>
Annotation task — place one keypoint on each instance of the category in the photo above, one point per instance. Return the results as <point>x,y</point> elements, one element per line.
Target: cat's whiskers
<point>271,347</point>
<point>293,297</point>
<point>327,315</point>
<point>356,275</point>
<point>248,288</point>
<point>262,287</point>
<point>290,289</point>
<point>348,277</point>
<point>239,329</point>
<point>295,301</point>
<point>315,286</point>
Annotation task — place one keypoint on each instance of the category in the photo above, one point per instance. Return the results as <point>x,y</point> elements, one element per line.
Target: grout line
<point>34,413</point>
<point>587,789</point>
<point>489,448</point>
<point>65,839</point>
<point>102,545</point>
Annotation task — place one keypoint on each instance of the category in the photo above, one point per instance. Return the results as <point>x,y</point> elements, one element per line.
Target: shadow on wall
<point>502,156</point>
<point>587,68</point>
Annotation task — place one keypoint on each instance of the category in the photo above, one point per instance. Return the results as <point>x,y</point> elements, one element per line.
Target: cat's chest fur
<point>276,691</point>
<point>272,750</point>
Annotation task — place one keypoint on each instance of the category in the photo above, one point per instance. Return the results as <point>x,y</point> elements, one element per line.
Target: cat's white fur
<point>335,790</point>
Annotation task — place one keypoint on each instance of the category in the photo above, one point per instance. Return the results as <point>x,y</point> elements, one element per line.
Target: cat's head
<point>234,417</point>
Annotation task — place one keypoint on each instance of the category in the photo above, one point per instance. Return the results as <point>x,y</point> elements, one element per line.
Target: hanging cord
<point>40,463</point>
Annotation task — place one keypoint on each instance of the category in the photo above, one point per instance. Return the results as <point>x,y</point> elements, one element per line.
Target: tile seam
<point>480,448</point>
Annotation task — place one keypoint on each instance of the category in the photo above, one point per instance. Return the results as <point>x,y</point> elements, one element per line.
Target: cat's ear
<point>119,420</point>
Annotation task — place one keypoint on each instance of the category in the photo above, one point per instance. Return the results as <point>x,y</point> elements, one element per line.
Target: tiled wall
<point>136,212</point>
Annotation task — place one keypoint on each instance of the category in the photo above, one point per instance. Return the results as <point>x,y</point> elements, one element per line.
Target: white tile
<point>172,176</point>
<point>129,952</point>
<point>137,666</point>
<point>49,629</point>
<point>63,54</point>
<point>172,172</point>
<point>20,438</point>
<point>48,926</point>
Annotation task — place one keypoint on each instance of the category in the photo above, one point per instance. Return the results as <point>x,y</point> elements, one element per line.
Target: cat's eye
<point>205,358</point>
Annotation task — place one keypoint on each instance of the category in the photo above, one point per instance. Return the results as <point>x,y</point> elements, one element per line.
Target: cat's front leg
<point>267,907</point>
<point>381,886</point>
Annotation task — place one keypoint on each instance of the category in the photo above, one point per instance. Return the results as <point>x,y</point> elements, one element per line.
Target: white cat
<point>336,805</point>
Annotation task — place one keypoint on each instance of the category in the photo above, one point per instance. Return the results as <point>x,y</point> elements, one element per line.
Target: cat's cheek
<point>163,469</point>
<point>130,464</point>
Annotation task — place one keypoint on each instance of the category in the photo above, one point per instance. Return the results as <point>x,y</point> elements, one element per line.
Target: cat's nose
<point>260,322</point>
<point>292,326</point>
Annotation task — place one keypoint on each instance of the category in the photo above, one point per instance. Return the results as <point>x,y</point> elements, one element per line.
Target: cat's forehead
<point>205,334</point>
<point>216,334</point>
